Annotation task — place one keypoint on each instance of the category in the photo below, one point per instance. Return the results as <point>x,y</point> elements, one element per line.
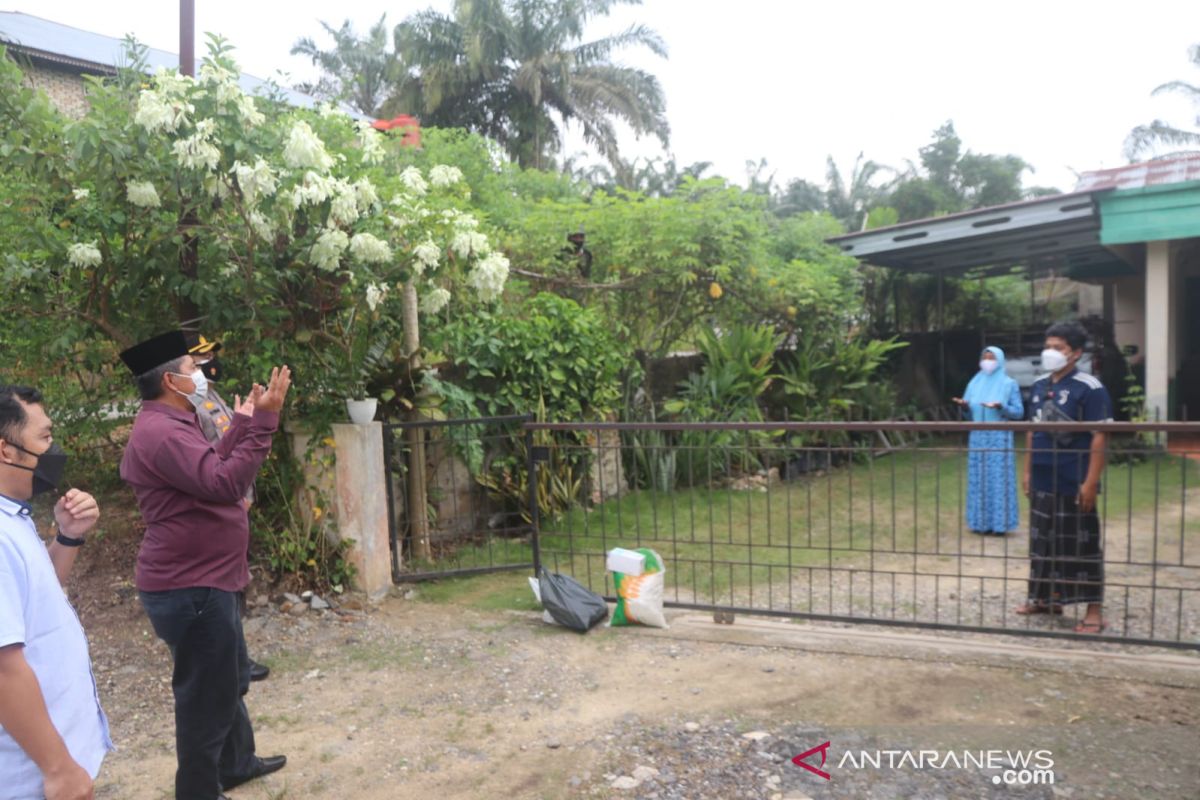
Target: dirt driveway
<point>415,698</point>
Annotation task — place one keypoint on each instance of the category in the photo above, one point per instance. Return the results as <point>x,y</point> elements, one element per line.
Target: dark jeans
<point>213,737</point>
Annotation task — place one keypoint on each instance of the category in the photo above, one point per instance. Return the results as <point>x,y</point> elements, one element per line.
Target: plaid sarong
<point>1066,555</point>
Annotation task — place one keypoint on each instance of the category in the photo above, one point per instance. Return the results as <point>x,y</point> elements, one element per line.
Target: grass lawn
<point>901,513</point>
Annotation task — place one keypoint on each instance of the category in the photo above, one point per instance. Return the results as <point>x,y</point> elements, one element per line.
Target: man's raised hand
<point>277,389</point>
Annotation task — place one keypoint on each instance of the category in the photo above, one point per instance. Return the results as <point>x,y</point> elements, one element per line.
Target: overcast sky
<point>1057,82</point>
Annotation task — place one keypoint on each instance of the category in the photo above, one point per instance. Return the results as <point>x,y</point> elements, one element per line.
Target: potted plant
<point>359,347</point>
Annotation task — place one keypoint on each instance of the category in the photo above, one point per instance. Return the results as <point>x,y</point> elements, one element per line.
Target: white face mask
<point>988,366</point>
<point>197,397</point>
<point>1053,360</point>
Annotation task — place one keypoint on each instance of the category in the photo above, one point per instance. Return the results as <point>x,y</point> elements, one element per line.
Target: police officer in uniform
<point>215,418</point>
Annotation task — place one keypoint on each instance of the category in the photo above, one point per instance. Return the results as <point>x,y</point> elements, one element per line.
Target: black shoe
<point>262,766</point>
<point>258,672</point>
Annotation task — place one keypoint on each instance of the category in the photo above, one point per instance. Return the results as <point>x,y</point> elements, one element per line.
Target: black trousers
<point>213,737</point>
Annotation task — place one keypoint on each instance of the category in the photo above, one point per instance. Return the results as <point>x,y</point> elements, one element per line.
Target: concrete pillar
<point>348,470</point>
<point>1159,328</point>
<point>361,504</point>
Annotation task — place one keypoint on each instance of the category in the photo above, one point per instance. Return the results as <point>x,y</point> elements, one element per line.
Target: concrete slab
<point>1177,668</point>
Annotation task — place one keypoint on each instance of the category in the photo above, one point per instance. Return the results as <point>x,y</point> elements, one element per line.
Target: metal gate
<point>472,516</point>
<point>817,521</point>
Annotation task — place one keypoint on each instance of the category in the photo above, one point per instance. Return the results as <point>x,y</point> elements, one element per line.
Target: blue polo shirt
<point>1060,461</point>
<point>34,612</point>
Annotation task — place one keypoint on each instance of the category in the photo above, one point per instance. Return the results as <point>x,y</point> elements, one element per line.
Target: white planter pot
<point>362,411</point>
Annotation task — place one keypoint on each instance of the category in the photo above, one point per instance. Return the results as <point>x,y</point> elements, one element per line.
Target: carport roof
<point>1059,233</point>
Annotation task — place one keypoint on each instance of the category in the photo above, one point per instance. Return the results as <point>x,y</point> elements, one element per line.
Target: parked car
<point>1026,370</point>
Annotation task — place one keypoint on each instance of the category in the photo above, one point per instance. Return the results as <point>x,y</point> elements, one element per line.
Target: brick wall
<point>64,87</point>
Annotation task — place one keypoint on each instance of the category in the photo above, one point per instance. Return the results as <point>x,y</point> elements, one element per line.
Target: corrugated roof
<point>94,52</point>
<point>1138,176</point>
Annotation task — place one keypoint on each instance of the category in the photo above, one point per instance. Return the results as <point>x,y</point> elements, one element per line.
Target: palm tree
<point>1144,138</point>
<point>360,71</point>
<point>519,72</point>
<point>850,201</point>
<point>651,177</point>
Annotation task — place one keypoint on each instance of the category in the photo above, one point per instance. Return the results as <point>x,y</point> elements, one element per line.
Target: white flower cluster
<point>413,181</point>
<point>223,80</point>
<point>216,74</point>
<point>82,194</point>
<point>370,249</point>
<point>84,254</point>
<point>349,200</point>
<point>312,190</point>
<point>460,220</point>
<point>489,276</point>
<point>365,194</point>
<point>470,243</point>
<point>216,186</point>
<point>157,112</point>
<point>435,300</point>
<point>329,110</point>
<point>343,210</point>
<point>142,194</point>
<point>375,294</point>
<point>442,175</point>
<point>166,108</point>
<point>369,141</point>
<point>326,254</point>
<point>305,150</point>
<point>248,112</point>
<point>427,254</point>
<point>255,181</point>
<point>197,150</point>
<point>171,83</point>
<point>262,227</point>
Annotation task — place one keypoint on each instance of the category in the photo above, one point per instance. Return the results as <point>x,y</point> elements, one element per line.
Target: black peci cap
<point>153,353</point>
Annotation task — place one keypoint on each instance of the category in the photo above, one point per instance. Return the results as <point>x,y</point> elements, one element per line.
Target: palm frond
<point>1146,138</point>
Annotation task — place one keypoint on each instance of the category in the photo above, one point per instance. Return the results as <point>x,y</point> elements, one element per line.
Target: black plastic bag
<point>571,603</point>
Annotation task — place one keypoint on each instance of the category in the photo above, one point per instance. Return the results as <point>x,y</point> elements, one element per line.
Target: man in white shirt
<point>53,733</point>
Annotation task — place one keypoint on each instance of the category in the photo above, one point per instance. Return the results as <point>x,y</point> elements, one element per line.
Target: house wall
<point>1129,311</point>
<point>64,87</point>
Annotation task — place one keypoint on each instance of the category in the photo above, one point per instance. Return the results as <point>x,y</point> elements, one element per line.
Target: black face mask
<point>212,369</point>
<point>49,469</point>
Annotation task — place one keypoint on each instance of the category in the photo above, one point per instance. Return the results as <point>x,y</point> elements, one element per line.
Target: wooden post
<point>189,254</point>
<point>418,512</point>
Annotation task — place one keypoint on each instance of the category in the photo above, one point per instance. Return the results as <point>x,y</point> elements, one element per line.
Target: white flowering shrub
<point>186,198</point>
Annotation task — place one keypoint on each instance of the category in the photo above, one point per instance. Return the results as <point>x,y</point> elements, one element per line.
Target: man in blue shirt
<point>1062,480</point>
<point>53,734</point>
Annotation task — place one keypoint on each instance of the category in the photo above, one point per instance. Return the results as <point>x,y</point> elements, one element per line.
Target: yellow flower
<point>715,291</point>
<point>317,512</point>
<point>791,311</point>
<point>328,441</point>
<point>312,562</point>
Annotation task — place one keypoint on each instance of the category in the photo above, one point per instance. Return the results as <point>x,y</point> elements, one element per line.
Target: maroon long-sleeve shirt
<point>190,494</point>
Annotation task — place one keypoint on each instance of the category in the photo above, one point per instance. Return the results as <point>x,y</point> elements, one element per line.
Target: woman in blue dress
<point>991,396</point>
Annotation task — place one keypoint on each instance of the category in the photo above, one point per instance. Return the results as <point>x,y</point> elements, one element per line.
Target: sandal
<point>1038,608</point>
<point>1091,627</point>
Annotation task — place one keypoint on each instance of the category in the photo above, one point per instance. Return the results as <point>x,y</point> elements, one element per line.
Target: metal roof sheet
<point>1159,172</point>
<point>94,52</point>
<point>1059,233</point>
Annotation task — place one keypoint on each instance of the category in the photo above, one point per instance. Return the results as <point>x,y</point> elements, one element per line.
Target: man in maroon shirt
<point>192,562</point>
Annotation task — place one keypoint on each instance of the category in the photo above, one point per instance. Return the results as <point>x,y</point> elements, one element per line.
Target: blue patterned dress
<point>991,463</point>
